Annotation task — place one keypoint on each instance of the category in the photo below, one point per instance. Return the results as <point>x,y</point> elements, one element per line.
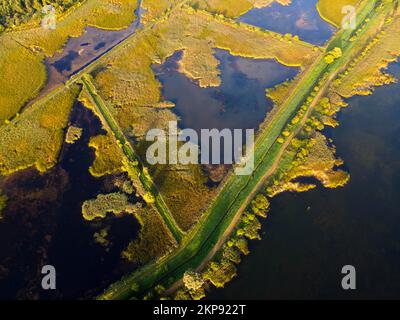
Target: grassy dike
<point>129,152</point>
<point>235,194</point>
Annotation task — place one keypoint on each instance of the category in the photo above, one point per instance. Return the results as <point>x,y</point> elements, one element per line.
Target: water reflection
<point>239,103</point>
<point>79,52</point>
<point>309,237</point>
<point>300,18</point>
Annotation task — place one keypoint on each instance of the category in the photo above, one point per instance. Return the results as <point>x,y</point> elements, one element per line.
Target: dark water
<point>309,237</point>
<point>239,103</point>
<point>81,51</point>
<point>43,224</point>
<point>81,263</point>
<point>300,18</point>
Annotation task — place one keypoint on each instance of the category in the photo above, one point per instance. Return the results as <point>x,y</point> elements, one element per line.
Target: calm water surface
<point>300,18</point>
<point>79,52</point>
<point>239,103</point>
<point>43,224</point>
<point>309,237</point>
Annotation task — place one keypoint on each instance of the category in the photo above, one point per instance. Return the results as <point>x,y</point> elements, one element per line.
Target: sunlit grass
<point>109,156</point>
<point>35,137</point>
<point>331,11</point>
<point>368,69</point>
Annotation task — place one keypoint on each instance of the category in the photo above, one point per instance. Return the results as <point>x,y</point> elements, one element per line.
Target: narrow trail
<point>148,185</point>
<point>233,211</point>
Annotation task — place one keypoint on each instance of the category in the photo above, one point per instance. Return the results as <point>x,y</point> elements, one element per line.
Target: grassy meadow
<point>23,50</point>
<point>331,11</point>
<point>34,138</point>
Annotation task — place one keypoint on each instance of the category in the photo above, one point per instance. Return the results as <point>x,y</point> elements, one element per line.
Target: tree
<point>193,281</point>
<point>242,245</point>
<point>332,55</point>
<point>149,198</point>
<point>260,205</point>
<point>231,254</point>
<point>220,273</point>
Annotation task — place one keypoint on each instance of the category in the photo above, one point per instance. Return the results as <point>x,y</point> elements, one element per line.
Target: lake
<point>300,18</point>
<point>239,103</point>
<point>309,237</point>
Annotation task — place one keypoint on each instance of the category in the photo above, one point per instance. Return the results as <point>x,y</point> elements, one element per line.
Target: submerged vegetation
<point>73,134</point>
<point>233,9</point>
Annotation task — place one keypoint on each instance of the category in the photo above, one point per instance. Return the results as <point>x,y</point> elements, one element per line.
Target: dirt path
<point>112,125</point>
<point>271,171</point>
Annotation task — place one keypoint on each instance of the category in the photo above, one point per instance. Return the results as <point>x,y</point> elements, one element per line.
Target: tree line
<point>16,12</point>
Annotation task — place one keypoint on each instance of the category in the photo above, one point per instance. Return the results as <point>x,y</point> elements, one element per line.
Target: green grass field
<point>198,244</point>
<point>132,157</point>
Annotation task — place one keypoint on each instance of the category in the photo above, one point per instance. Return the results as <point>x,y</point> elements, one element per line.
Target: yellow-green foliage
<point>109,156</point>
<point>331,11</point>
<point>129,84</point>
<point>154,9</point>
<point>105,14</point>
<point>264,3</point>
<point>193,283</point>
<point>22,52</point>
<point>22,76</point>
<point>242,245</point>
<point>87,101</point>
<point>220,273</point>
<point>239,39</point>
<point>332,55</point>
<point>231,253</point>
<point>114,203</point>
<point>279,93</point>
<point>182,295</point>
<point>249,227</point>
<point>131,88</point>
<point>228,8</point>
<point>101,237</point>
<point>154,240</point>
<point>199,63</point>
<point>35,137</point>
<point>128,81</point>
<point>365,71</point>
<point>3,203</point>
<point>318,160</point>
<point>260,206</point>
<point>192,280</point>
<point>177,186</point>
<point>73,134</point>
<point>15,13</point>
